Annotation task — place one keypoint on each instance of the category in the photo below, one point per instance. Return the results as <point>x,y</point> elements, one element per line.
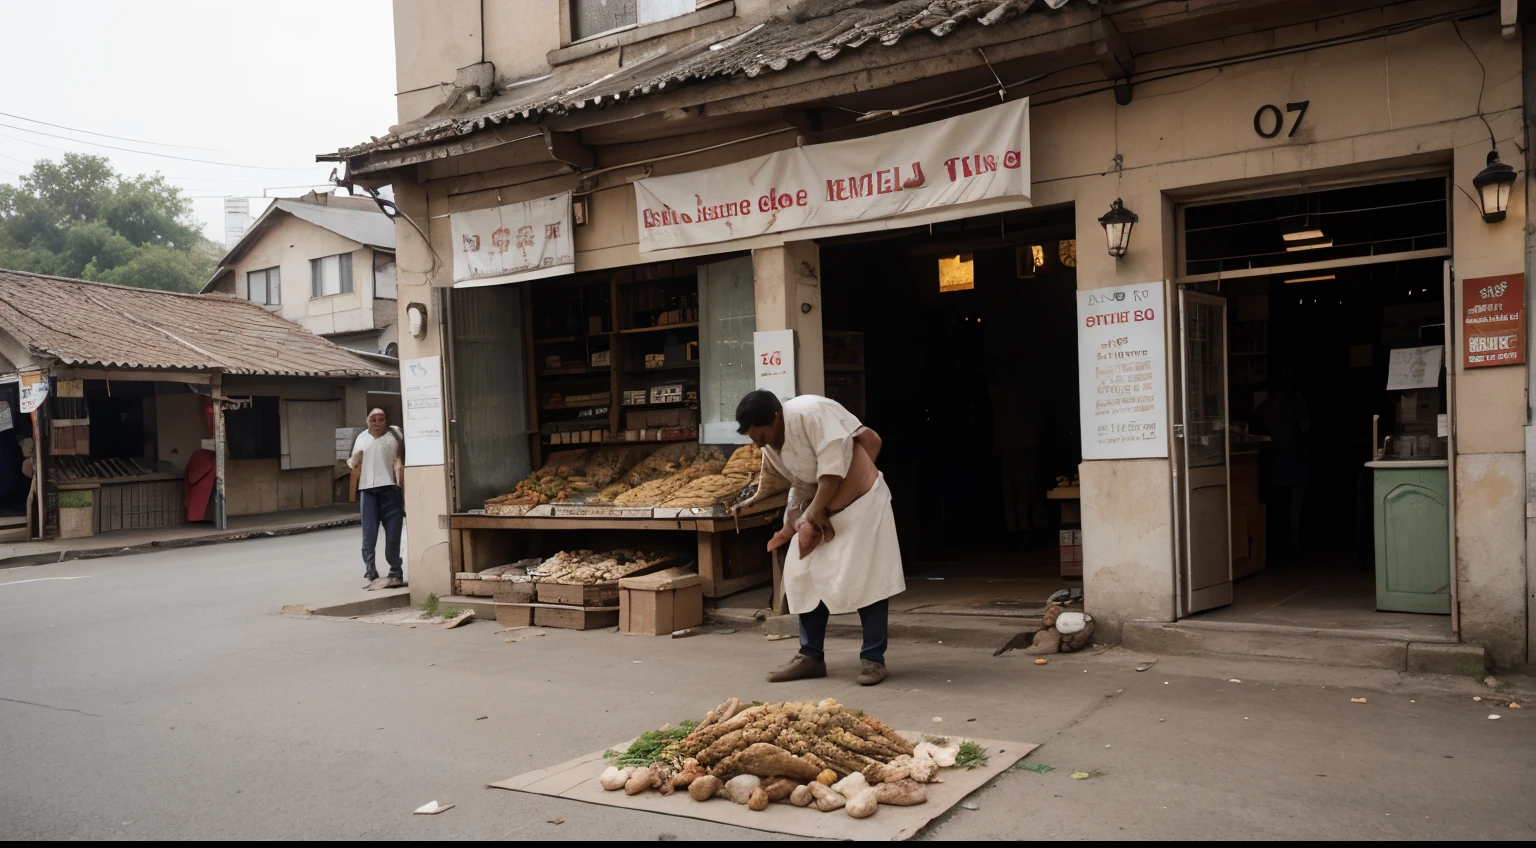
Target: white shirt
<point>818,441</point>
<point>378,459</point>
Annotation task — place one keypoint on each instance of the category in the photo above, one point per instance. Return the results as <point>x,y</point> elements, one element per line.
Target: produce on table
<point>587,568</point>
<point>797,753</point>
<point>609,463</point>
<point>558,477</point>
<point>662,462</point>
<point>657,491</point>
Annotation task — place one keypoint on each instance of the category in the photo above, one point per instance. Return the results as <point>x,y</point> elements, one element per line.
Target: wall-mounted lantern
<point>1493,184</point>
<point>416,319</point>
<point>1117,224</point>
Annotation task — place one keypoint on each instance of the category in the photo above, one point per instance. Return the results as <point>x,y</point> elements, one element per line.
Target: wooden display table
<point>730,558</point>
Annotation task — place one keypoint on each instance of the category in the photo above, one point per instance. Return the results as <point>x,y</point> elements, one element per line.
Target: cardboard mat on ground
<point>577,781</point>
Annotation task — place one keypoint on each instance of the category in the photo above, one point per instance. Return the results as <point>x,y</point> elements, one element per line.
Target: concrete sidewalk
<point>123,542</point>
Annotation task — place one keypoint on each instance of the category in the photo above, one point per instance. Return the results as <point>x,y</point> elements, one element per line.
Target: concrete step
<point>1313,645</point>
<point>377,602</point>
<point>966,631</point>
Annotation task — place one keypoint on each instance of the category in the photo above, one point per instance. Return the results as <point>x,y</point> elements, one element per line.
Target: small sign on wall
<point>1122,372</point>
<point>1493,321</point>
<point>774,360</point>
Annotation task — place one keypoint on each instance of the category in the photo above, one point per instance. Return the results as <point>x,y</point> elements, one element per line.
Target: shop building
<point>135,409</point>
<point>1298,192</point>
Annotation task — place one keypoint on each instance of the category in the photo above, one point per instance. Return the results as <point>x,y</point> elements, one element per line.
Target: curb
<point>52,557</point>
<point>367,606</point>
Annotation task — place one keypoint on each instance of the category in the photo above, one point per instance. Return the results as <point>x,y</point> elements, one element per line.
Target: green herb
<point>649,747</point>
<point>432,607</point>
<point>76,499</point>
<point>971,756</point>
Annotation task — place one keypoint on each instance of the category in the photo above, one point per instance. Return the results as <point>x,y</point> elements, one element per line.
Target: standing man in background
<point>378,466</point>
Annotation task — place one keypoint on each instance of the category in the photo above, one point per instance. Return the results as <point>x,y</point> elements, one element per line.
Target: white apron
<point>861,565</point>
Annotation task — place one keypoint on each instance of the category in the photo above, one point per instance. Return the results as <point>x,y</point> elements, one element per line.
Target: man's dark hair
<point>756,410</point>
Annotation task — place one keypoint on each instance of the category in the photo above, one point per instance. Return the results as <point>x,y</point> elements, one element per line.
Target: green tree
<point>79,218</point>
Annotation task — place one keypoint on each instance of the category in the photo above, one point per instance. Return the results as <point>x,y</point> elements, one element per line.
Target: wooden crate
<point>508,592</point>
<point>659,604</point>
<point>575,618</point>
<point>474,587</point>
<point>140,506</point>
<point>514,615</point>
<point>599,595</point>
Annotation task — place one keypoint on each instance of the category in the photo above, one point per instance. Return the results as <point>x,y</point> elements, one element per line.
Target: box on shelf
<point>658,604</point>
<point>634,398</point>
<point>599,359</point>
<point>595,325</point>
<point>552,362</point>
<point>655,360</point>
<point>650,419</point>
<point>670,393</point>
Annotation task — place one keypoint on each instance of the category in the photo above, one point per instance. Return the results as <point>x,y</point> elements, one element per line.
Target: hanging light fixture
<point>1493,184</point>
<point>1117,224</point>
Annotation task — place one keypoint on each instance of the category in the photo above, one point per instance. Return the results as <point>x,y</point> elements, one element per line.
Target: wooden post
<point>37,477</point>
<point>780,605</point>
<point>711,564</point>
<point>221,519</point>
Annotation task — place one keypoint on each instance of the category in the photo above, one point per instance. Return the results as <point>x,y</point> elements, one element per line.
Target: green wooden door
<point>1413,551</point>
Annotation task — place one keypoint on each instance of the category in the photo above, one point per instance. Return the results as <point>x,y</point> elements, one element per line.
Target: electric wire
<point>117,137</point>
<point>143,152</point>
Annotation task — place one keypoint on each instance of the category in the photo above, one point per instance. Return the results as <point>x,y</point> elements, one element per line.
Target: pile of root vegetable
<point>805,754</point>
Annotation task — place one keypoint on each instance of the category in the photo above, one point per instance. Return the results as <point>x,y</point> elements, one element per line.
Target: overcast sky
<point>265,84</point>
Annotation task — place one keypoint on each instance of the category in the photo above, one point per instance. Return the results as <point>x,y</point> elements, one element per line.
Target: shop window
<point>264,287</point>
<point>598,17</point>
<point>254,432</point>
<point>330,275</point>
<point>727,320</point>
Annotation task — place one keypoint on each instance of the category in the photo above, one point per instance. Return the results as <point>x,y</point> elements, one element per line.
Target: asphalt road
<point>162,696</point>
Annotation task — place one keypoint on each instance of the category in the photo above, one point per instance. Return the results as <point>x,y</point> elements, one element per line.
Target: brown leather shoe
<point>871,673</point>
<point>801,667</point>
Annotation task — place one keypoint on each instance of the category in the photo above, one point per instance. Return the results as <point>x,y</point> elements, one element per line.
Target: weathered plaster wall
<point>1404,104</point>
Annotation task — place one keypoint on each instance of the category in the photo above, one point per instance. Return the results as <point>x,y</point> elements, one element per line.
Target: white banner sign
<point>421,385</point>
<point>980,156</point>
<point>524,241</point>
<point>1122,372</point>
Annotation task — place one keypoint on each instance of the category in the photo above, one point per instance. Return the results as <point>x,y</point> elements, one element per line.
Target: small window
<point>330,275</point>
<point>264,287</point>
<point>595,17</point>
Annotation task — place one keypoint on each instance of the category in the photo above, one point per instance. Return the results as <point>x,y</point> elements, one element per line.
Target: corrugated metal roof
<point>770,46</point>
<point>96,324</point>
<point>368,228</point>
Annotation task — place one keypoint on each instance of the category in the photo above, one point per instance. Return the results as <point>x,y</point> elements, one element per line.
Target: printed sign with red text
<point>1122,372</point>
<point>980,156</point>
<point>1493,320</point>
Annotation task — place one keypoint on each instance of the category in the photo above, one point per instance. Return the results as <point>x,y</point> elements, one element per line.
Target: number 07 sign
<point>774,361</point>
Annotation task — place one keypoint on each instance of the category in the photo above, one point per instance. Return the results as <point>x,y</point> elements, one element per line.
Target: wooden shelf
<point>693,364</point>
<point>668,405</point>
<point>567,407</point>
<point>574,372</point>
<point>660,328</point>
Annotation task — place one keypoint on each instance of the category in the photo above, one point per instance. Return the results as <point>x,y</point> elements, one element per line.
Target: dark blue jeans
<point>386,505</point>
<point>874,619</point>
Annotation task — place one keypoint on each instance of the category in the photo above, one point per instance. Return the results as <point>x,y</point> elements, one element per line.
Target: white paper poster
<point>34,390</point>
<point>1122,372</point>
<point>980,156</point>
<point>773,357</point>
<point>421,386</point>
<point>523,241</point>
<point>6,422</point>
<point>1414,368</point>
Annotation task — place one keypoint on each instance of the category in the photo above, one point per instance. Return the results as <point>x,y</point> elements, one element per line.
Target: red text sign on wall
<point>1493,321</point>
<point>980,156</point>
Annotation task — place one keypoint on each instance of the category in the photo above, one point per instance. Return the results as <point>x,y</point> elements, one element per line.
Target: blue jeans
<point>874,619</point>
<point>386,505</point>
